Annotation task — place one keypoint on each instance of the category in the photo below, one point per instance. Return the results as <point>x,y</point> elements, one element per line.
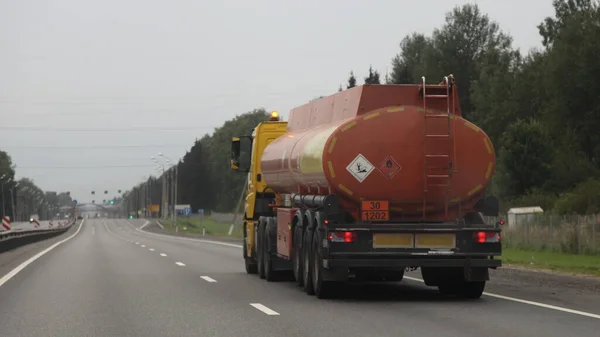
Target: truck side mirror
<point>235,154</point>
<point>241,148</point>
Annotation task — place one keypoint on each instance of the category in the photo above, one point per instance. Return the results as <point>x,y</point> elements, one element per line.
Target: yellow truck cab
<point>246,152</point>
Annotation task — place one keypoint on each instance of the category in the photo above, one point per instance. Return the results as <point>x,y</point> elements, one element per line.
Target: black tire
<point>270,274</point>
<point>323,289</point>
<point>471,290</point>
<point>393,276</point>
<point>259,251</point>
<point>297,256</point>
<point>307,263</point>
<point>447,288</point>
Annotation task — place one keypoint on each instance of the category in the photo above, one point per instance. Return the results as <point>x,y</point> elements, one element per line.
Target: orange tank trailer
<point>383,126</point>
<point>366,183</point>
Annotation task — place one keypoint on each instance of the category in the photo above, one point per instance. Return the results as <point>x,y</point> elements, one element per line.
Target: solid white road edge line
<point>22,266</point>
<point>188,239</point>
<point>264,309</point>
<point>537,304</point>
<point>145,224</point>
<point>180,264</point>
<point>208,279</point>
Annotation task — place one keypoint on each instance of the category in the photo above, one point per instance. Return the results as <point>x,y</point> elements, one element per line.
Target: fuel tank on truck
<point>369,144</point>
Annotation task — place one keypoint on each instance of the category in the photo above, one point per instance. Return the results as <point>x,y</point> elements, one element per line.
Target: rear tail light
<point>343,236</point>
<point>486,237</point>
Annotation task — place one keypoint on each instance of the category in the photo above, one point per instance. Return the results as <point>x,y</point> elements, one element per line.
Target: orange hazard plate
<point>375,210</point>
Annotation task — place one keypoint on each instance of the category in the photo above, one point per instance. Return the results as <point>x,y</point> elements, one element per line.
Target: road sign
<point>201,211</point>
<point>6,223</point>
<point>75,202</point>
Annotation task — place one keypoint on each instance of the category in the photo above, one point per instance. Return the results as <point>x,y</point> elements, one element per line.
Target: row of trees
<point>204,179</point>
<point>21,198</point>
<point>541,109</point>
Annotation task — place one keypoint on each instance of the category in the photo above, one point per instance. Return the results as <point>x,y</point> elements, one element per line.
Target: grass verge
<point>210,226</point>
<point>561,262</point>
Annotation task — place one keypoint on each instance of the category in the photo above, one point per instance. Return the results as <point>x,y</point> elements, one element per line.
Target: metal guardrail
<point>13,238</point>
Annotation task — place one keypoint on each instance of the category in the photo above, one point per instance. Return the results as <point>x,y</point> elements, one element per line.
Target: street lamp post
<point>2,183</point>
<point>173,190</point>
<point>12,201</point>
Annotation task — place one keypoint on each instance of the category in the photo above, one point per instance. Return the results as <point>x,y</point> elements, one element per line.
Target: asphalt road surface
<point>114,279</point>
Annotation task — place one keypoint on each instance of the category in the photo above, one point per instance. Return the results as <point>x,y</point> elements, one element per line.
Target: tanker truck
<point>368,183</point>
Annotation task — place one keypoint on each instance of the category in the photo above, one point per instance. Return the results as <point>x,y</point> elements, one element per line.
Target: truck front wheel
<point>251,267</point>
<point>259,249</point>
<point>249,262</point>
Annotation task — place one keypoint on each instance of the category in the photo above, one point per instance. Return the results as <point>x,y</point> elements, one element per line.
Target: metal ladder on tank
<point>438,166</point>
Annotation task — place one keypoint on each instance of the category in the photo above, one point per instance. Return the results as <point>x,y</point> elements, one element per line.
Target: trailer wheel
<point>323,289</point>
<point>307,263</point>
<point>297,256</point>
<point>472,290</point>
<point>259,249</point>
<point>269,232</point>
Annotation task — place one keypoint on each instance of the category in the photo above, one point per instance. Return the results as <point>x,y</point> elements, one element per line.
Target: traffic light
<point>131,217</point>
<point>93,192</point>
<point>119,191</point>
<point>105,192</point>
<point>104,201</point>
<point>112,202</point>
<point>93,201</point>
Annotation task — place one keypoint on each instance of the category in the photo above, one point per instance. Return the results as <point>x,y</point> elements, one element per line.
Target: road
<point>113,279</point>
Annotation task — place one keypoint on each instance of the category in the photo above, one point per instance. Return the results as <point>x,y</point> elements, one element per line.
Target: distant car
<point>79,217</point>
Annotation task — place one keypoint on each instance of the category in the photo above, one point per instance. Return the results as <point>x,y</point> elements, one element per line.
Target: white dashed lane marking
<point>208,279</point>
<point>180,264</point>
<point>264,309</point>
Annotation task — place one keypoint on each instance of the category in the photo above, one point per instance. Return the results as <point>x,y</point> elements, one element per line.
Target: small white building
<point>518,216</point>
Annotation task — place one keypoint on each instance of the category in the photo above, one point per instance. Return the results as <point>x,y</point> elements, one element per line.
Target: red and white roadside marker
<point>6,223</point>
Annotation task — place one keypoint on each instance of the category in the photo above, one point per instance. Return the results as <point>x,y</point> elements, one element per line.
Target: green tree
<point>566,12</point>
<point>525,158</point>
<point>351,81</point>
<point>7,182</point>
<point>373,77</point>
<point>413,61</point>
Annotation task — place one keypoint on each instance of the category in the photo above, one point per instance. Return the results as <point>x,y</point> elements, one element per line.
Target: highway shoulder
<point>153,227</point>
<point>10,259</point>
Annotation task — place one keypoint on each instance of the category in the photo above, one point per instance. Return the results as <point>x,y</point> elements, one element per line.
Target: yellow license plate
<point>389,240</point>
<point>435,241</point>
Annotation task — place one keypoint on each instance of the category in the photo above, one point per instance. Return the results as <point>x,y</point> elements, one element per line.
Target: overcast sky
<point>91,89</point>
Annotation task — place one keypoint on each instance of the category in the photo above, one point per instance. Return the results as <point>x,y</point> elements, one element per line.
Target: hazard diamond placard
<point>389,167</point>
